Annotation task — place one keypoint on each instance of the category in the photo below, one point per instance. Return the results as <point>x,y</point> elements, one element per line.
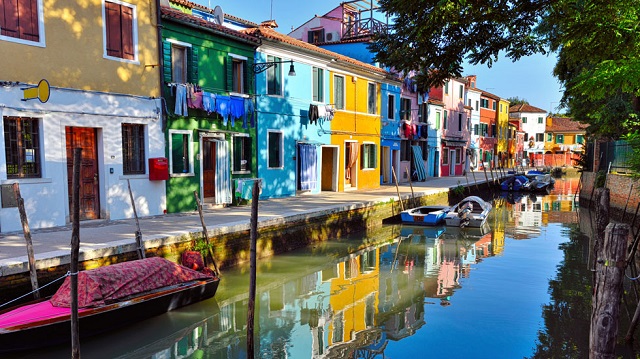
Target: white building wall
<point>46,198</point>
<point>531,128</point>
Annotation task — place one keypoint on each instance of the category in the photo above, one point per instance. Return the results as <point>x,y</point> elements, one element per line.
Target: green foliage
<point>633,159</point>
<point>458,190</point>
<point>200,245</point>
<point>517,101</point>
<point>601,179</point>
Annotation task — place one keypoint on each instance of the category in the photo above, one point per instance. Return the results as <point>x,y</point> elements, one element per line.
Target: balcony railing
<point>363,27</point>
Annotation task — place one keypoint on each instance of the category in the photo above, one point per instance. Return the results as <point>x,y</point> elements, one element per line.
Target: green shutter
<point>166,61</point>
<point>228,66</point>
<point>249,76</point>
<point>192,65</point>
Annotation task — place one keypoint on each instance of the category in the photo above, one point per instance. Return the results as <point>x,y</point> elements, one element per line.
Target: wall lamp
<point>259,67</point>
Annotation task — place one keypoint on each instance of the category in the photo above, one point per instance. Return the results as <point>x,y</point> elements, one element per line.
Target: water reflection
<point>406,291</point>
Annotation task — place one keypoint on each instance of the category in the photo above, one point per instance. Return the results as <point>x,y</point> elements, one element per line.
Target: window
<point>458,155</point>
<point>21,21</point>
<point>500,107</point>
<point>405,108</point>
<point>180,151</point>
<point>241,153</point>
<point>391,107</point>
<point>275,154</point>
<point>549,137</point>
<point>459,122</point>
<point>477,105</point>
<point>524,120</point>
<point>425,150</point>
<point>133,154</point>
<point>476,129</point>
<point>178,64</point>
<point>493,130</point>
<point>559,138</point>
<point>372,103</point>
<point>315,36</point>
<point>22,147</point>
<point>461,91</point>
<point>445,156</point>
<point>539,137</point>
<point>446,87</point>
<point>484,103</point>
<point>485,129</point>
<point>539,119</point>
<point>274,77</point>
<point>318,84</point>
<point>444,125</point>
<point>580,139</point>
<point>494,105</point>
<point>338,91</point>
<point>120,30</point>
<point>437,120</point>
<point>368,156</point>
<point>469,102</point>
<point>237,76</point>
<point>405,150</point>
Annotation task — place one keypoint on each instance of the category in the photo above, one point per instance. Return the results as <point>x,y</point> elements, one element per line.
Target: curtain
<point>308,176</point>
<point>353,157</point>
<point>223,173</point>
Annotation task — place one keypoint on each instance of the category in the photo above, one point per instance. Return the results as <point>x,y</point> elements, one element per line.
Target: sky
<point>530,78</point>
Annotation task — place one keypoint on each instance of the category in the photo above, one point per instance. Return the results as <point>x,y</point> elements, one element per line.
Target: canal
<point>517,288</point>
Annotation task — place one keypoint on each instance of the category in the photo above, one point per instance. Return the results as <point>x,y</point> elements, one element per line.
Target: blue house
<point>390,140</point>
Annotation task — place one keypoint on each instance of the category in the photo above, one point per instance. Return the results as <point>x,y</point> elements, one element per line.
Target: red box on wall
<point>158,169</point>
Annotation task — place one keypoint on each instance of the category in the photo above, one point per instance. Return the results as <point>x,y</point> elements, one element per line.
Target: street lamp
<point>259,67</point>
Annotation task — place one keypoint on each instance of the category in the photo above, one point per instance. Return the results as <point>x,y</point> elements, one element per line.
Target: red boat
<point>108,298</point>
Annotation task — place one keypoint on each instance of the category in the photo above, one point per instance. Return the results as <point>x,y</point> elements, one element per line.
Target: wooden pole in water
<point>466,177</point>
<point>27,237</point>
<point>139,245</point>
<point>413,197</point>
<point>395,179</point>
<point>252,279</point>
<point>475,181</point>
<point>205,233</point>
<point>485,174</point>
<point>75,251</point>
<point>626,204</point>
<point>607,292</point>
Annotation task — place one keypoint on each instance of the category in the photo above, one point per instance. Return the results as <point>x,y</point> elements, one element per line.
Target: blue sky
<point>530,78</point>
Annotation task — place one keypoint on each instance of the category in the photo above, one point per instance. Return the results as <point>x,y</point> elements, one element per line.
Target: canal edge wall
<point>231,243</point>
<point>624,193</point>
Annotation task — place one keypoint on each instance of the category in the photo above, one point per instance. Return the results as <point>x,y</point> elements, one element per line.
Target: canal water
<point>518,288</point>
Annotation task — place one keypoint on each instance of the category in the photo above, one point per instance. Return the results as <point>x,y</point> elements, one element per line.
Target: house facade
<point>455,127</point>
<point>488,118</point>
<point>91,85</point>
<point>390,139</point>
<point>434,138</point>
<point>533,125</point>
<point>208,86</point>
<point>565,138</point>
<point>473,102</point>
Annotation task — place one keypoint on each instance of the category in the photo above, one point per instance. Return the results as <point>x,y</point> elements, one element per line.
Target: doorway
<point>208,169</point>
<point>385,162</point>
<point>329,175</point>
<point>351,165</point>
<point>452,162</point>
<point>86,139</point>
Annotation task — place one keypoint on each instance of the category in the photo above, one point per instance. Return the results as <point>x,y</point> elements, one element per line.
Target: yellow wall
<point>503,125</point>
<point>355,124</point>
<point>73,55</point>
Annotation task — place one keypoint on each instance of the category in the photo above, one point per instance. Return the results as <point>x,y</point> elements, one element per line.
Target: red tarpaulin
<point>100,285</point>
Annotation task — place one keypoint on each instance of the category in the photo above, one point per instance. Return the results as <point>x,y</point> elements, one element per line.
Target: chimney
<point>269,23</point>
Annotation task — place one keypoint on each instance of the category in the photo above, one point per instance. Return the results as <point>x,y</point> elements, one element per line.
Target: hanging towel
<point>322,111</point>
<point>222,108</point>
<point>236,108</point>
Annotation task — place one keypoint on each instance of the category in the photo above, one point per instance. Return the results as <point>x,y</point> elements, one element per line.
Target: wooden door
<point>85,138</point>
<point>208,168</point>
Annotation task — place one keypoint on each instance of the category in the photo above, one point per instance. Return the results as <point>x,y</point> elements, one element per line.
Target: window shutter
<point>229,73</point>
<point>249,76</point>
<point>28,20</point>
<point>128,51</point>
<point>315,84</point>
<point>322,35</point>
<point>114,40</point>
<point>9,18</point>
<point>166,61</point>
<point>310,37</point>
<point>192,65</point>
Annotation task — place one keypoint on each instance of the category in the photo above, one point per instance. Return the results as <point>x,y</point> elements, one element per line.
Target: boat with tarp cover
<point>109,297</point>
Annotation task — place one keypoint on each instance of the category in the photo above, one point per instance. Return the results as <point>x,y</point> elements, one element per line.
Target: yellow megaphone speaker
<point>41,92</point>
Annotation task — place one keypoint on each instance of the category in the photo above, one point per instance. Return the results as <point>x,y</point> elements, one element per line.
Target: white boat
<point>471,211</point>
<point>425,215</point>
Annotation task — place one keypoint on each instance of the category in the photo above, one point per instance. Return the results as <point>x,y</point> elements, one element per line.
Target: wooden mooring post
<point>413,197</point>
<point>27,237</point>
<point>205,233</point>
<point>252,275</point>
<point>395,179</point>
<point>610,267</point>
<point>75,252</point>
<point>139,243</point>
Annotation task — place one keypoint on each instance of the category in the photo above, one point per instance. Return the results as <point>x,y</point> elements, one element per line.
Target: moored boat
<point>109,297</point>
<point>425,215</point>
<point>471,211</point>
<point>515,183</point>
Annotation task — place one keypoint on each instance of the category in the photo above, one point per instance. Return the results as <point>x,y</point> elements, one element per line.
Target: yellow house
<point>93,72</point>
<point>564,135</point>
<point>502,130</point>
<point>356,125</point>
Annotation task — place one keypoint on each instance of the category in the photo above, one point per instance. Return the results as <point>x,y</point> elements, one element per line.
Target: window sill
<point>27,180</point>
<point>126,177</point>
<point>238,94</point>
<point>188,174</point>
<point>241,172</point>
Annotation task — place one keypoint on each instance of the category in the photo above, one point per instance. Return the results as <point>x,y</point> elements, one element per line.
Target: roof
<point>179,16</point>
<point>192,5</point>
<point>270,34</point>
<point>525,107</point>
<point>433,101</point>
<point>565,124</point>
<point>489,94</point>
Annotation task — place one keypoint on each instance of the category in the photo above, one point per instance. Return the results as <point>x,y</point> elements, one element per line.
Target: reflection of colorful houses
<point>504,158</point>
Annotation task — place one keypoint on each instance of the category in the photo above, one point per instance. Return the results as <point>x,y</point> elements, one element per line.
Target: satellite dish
<point>218,14</point>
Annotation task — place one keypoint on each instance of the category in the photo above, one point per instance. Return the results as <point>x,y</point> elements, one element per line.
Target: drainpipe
<point>161,62</point>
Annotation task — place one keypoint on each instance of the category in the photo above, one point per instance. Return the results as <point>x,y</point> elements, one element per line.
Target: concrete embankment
<point>283,224</point>
<point>624,193</point>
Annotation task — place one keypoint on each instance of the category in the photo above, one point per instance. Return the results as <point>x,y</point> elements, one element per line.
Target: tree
<point>433,37</point>
<point>517,101</point>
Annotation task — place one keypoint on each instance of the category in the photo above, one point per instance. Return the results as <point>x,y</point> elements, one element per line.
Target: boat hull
<point>105,318</point>
<point>425,216</point>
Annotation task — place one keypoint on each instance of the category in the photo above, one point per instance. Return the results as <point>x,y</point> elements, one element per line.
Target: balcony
<point>363,27</point>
